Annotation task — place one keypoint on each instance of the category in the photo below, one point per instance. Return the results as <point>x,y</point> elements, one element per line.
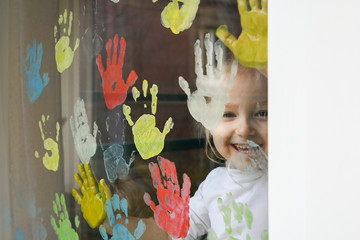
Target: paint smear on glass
<point>35,84</point>
<point>7,216</point>
<point>85,141</point>
<point>50,161</point>
<point>120,231</point>
<point>172,212</point>
<point>19,234</point>
<point>64,55</point>
<point>115,165</point>
<point>250,49</point>
<point>207,103</point>
<point>114,87</point>
<point>62,223</point>
<point>179,15</point>
<point>149,141</point>
<point>39,231</point>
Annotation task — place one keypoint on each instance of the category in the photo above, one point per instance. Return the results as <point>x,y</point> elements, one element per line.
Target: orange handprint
<point>114,86</point>
<point>172,213</point>
<point>250,49</point>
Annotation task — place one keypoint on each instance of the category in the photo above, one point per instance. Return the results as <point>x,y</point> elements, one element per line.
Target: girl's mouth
<point>246,149</point>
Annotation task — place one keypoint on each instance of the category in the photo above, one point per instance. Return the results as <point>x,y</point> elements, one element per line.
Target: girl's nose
<point>244,128</point>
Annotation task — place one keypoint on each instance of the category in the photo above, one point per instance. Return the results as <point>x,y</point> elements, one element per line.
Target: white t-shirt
<point>230,203</point>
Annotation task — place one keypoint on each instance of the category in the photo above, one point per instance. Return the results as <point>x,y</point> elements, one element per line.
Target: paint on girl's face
<point>179,18</point>
<point>50,161</point>
<point>119,231</point>
<point>62,225</point>
<point>114,87</point>
<point>35,84</point>
<point>172,213</point>
<point>64,55</point>
<point>85,142</point>
<point>250,49</point>
<point>207,103</point>
<point>149,141</point>
<point>19,234</point>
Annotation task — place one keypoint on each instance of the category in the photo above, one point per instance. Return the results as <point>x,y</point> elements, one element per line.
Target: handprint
<point>250,49</point>
<point>85,142</point>
<point>51,162</point>
<point>34,83</point>
<point>64,55</point>
<point>241,214</point>
<point>119,231</point>
<point>149,141</point>
<point>94,195</point>
<point>207,103</point>
<point>179,18</point>
<point>64,231</point>
<point>114,86</point>
<point>172,213</point>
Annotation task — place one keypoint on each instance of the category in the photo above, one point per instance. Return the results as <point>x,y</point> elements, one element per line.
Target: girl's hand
<point>250,49</point>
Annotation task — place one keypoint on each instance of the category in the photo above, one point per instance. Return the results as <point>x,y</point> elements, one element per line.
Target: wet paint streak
<point>250,49</point>
<point>85,141</point>
<point>207,103</point>
<point>62,225</point>
<point>35,84</point>
<point>179,18</point>
<point>50,161</point>
<point>39,231</point>
<point>149,141</point>
<point>7,216</point>
<point>119,231</point>
<point>172,213</point>
<point>115,165</point>
<point>114,87</point>
<point>64,55</point>
<point>19,234</point>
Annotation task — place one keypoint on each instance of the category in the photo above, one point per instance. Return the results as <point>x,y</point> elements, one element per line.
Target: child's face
<point>245,118</point>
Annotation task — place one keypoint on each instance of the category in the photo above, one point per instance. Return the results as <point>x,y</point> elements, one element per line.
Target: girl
<point>232,202</point>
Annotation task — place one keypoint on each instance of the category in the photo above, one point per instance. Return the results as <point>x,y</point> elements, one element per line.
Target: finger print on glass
<point>50,161</point>
<point>117,208</point>
<point>64,54</point>
<point>149,141</point>
<point>85,141</point>
<point>114,86</point>
<point>207,103</point>
<point>35,83</point>
<point>172,212</point>
<point>250,49</point>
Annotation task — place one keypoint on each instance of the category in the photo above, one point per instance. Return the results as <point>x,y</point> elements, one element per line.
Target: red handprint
<point>114,86</point>
<point>172,213</point>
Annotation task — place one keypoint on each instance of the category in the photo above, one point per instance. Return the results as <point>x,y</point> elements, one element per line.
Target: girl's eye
<point>262,115</point>
<point>229,115</point>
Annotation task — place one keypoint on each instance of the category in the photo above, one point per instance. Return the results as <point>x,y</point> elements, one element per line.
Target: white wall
<point>315,119</point>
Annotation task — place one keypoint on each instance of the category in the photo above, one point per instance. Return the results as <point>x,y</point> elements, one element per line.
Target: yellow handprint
<point>64,55</point>
<point>51,162</point>
<point>149,141</point>
<point>92,200</point>
<point>250,49</point>
<point>179,18</point>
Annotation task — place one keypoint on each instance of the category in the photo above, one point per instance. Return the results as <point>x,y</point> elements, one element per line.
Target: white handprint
<point>207,103</point>
<point>85,143</point>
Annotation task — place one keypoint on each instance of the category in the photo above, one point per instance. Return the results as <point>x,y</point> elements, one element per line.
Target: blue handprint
<point>115,165</point>
<point>35,84</point>
<point>120,232</point>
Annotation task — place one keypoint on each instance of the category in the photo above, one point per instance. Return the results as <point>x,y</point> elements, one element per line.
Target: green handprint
<point>64,231</point>
<point>149,141</point>
<point>250,49</point>
<point>64,55</point>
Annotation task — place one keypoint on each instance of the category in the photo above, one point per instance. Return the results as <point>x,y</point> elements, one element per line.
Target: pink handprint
<point>172,213</point>
<point>114,86</point>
